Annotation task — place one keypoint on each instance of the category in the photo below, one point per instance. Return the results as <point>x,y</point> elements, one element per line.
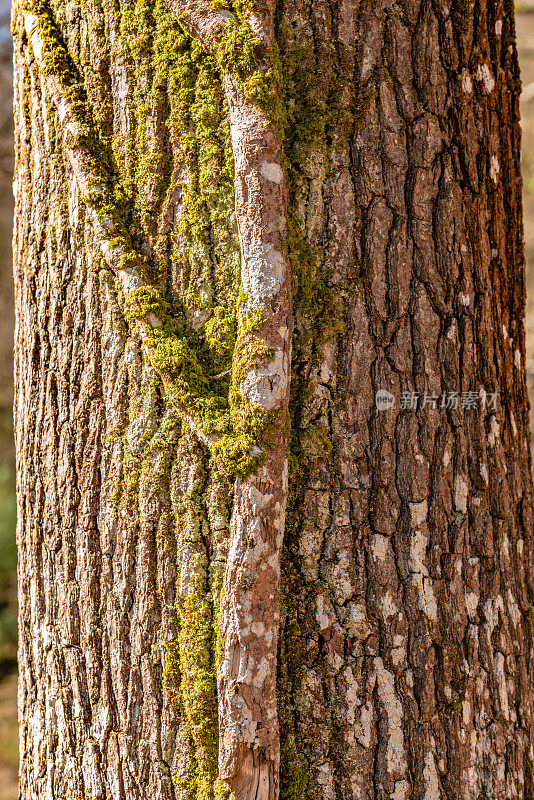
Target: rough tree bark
<point>225,211</point>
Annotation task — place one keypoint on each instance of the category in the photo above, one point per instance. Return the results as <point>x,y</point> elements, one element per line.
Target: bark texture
<point>405,649</point>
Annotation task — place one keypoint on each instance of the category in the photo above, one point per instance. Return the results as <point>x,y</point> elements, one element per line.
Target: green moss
<point>250,423</point>
<point>294,772</point>
<point>171,671</point>
<point>55,56</point>
<point>238,423</point>
<point>199,118</point>
<point>220,332</point>
<point>239,53</point>
<point>315,95</point>
<point>208,251</point>
<point>191,657</point>
<point>248,351</point>
<point>318,305</point>
<point>237,50</point>
<point>198,683</point>
<point>145,300</point>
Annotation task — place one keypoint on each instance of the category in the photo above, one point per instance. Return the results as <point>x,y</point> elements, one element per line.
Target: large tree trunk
<point>390,656</point>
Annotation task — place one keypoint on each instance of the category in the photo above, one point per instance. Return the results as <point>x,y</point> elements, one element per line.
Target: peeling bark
<point>250,747</point>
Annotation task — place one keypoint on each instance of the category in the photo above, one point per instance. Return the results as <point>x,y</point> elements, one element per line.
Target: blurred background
<point>8,606</point>
<point>525,40</point>
<point>8,559</point>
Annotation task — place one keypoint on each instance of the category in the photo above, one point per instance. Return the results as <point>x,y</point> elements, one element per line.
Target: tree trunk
<point>204,195</point>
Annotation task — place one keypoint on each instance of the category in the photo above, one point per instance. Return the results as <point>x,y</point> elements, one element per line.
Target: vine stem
<point>249,735</point>
<point>90,181</point>
<point>249,739</point>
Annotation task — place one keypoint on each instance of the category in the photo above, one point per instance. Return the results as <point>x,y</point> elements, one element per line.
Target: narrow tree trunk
<point>173,165</point>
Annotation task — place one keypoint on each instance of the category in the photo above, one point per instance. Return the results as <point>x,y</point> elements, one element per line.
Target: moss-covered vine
<point>193,362</point>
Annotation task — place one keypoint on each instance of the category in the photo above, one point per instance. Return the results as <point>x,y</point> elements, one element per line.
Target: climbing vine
<point>202,346</point>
